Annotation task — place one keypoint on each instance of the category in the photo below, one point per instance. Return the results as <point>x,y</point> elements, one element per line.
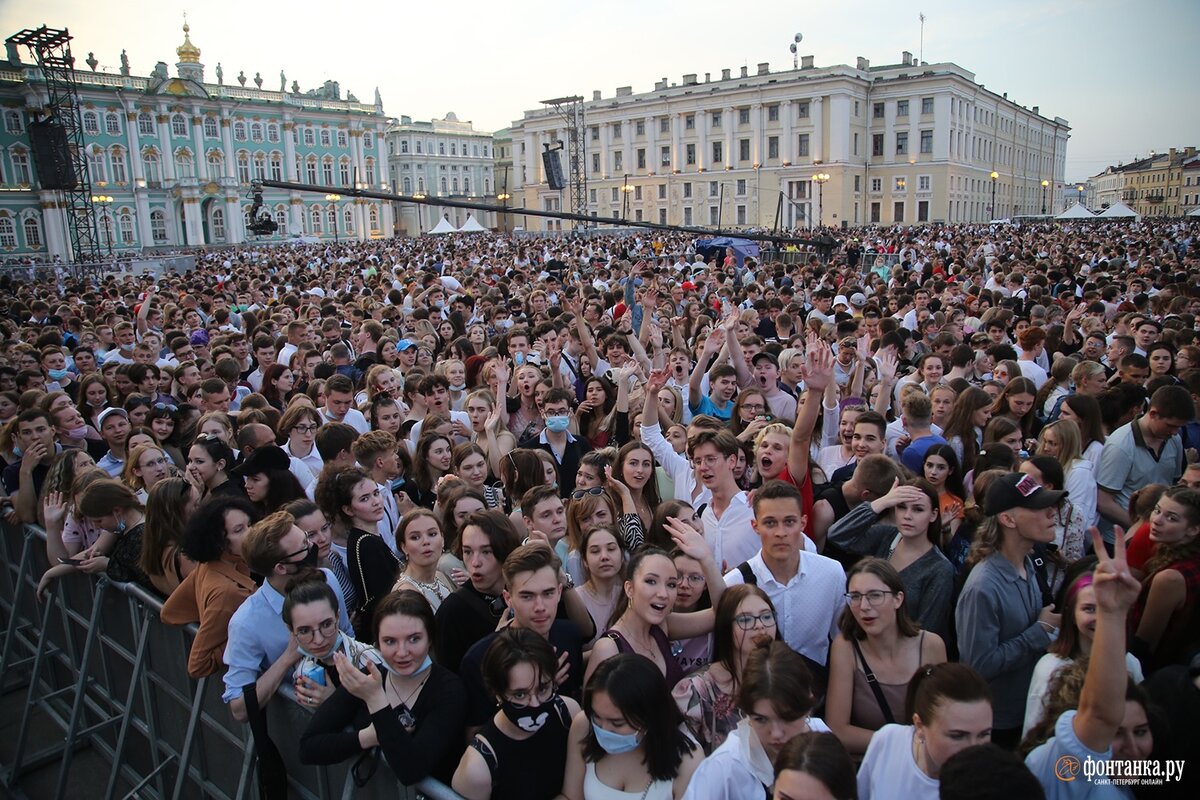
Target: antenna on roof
<point>921,51</point>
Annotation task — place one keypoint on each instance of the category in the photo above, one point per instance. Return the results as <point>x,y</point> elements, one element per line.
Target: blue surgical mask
<point>519,359</point>
<point>426,664</point>
<point>615,743</point>
<point>558,423</point>
<point>57,374</point>
<point>337,645</point>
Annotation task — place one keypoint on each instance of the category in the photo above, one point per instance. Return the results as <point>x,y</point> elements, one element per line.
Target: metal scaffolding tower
<point>52,51</point>
<point>570,110</point>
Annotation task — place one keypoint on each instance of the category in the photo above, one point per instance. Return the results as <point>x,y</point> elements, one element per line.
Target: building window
<point>876,184</point>
<point>8,233</point>
<point>33,233</point>
<point>741,215</point>
<point>901,108</point>
<point>641,158</point>
<point>310,169</point>
<point>639,127</point>
<point>802,145</point>
<point>877,144</point>
<point>740,186</point>
<point>145,124</point>
<point>592,195</point>
<point>341,138</point>
<point>618,161</point>
<point>151,167</point>
<point>687,216</point>
<point>877,111</point>
<point>802,109</point>
<point>96,168</point>
<point>243,167</point>
<point>690,154</point>
<point>714,189</point>
<point>327,171</point>
<point>924,182</point>
<point>687,190</point>
<point>616,191</point>
<point>239,131</point>
<point>117,158</point>
<point>272,133</point>
<point>418,145</point>
<point>772,113</point>
<point>595,133</point>
<point>716,120</point>
<point>260,166</point>
<point>772,147</point>
<point>901,143</point>
<point>595,163</point>
<point>662,191</point>
<point>858,183</point>
<point>665,159</point>
<point>743,149</point>
<point>617,129</point>
<point>184,167</point>
<point>898,212</point>
<point>926,141</point>
<point>875,213</point>
<point>637,193</point>
<point>689,122</point>
<point>13,122</point>
<point>158,226</point>
<point>326,138</point>
<point>276,167</point>
<point>369,169</point>
<point>256,131</point>
<point>743,116</point>
<point>718,152</point>
<point>404,145</point>
<point>281,219</point>
<point>344,171</point>
<point>368,140</point>
<point>662,216</point>
<point>926,105</point>
<point>310,138</point>
<point>899,183</point>
<point>211,131</point>
<point>315,219</point>
<point>923,211</point>
<point>112,124</point>
<point>179,126</point>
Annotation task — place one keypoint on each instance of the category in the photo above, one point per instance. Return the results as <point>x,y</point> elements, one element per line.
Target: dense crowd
<point>622,516</point>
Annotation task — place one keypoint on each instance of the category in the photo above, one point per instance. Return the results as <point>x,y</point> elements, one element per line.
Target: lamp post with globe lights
<point>821,178</point>
<point>1045,183</point>
<point>992,210</point>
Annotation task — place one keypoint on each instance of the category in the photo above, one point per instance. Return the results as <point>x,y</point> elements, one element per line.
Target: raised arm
<point>744,376</point>
<point>712,344</point>
<point>818,373</point>
<point>888,363</point>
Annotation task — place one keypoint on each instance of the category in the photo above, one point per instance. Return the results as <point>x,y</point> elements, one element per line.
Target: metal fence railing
<point>98,667</point>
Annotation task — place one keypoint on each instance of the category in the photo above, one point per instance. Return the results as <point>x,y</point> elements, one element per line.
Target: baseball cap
<point>108,412</point>
<point>858,299</point>
<point>1018,490</point>
<point>765,355</point>
<point>264,459</point>
<point>404,344</point>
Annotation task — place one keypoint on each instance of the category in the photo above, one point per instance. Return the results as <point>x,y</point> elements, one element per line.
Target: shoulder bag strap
<point>873,683</point>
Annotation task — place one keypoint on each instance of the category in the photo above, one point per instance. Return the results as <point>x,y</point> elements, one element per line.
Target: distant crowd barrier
<point>95,662</point>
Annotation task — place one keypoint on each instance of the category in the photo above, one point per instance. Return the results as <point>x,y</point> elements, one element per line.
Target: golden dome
<point>188,52</point>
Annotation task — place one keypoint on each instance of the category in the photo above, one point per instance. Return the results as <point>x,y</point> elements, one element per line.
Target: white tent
<point>1077,211</point>
<point>471,226</point>
<point>443,226</point>
<point>1195,212</point>
<point>1119,211</point>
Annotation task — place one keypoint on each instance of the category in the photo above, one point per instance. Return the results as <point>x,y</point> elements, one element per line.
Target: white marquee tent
<point>1195,212</point>
<point>443,226</point>
<point>471,226</point>
<point>1119,211</point>
<point>1077,211</point>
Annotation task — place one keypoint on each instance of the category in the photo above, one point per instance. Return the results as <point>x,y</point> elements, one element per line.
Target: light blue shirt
<point>258,636</point>
<point>1063,748</point>
<point>111,464</point>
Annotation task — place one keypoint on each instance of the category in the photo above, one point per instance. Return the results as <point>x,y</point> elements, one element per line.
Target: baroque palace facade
<point>176,155</point>
<point>841,145</point>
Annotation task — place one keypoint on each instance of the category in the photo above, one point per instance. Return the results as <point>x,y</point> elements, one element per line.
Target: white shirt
<point>676,465</point>
<point>354,418</point>
<point>455,416</point>
<point>731,538</point>
<point>312,461</point>
<point>888,768</point>
<point>1033,371</point>
<point>255,379</point>
<point>739,769</point>
<point>809,605</point>
<point>390,519</point>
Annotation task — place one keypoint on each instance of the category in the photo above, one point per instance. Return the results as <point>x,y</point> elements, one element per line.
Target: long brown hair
<point>1165,555</point>
<point>724,650</point>
<point>961,424</point>
<point>883,570</point>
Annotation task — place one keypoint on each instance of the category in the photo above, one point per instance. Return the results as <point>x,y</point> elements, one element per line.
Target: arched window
<point>487,186</point>
<point>216,164</point>
<point>407,185</point>
<point>211,129</point>
<point>467,184</point>
<point>239,131</point>
<point>454,184</point>
<point>184,167</point>
<point>327,170</point>
<point>272,133</point>
<point>8,232</point>
<point>421,185</point>
<point>333,221</point>
<point>112,123</point>
<point>444,189</point>
<point>33,233</point>
<point>97,170</point>
<point>341,138</point>
<point>373,216</point>
<point>91,125</point>
<point>369,168</point>
<point>179,125</point>
<point>309,137</point>
<point>311,169</point>
<point>260,166</point>
<point>326,138</point>
<point>158,226</point>
<point>117,160</point>
<point>256,132</point>
<point>276,167</point>
<point>281,219</point>
<point>315,217</point>
<point>348,219</point>
<point>14,123</point>
<point>151,165</point>
<point>368,140</point>
<point>344,171</point>
<point>218,224</point>
<point>20,163</point>
<point>145,124</point>
<point>243,166</point>
<point>125,227</point>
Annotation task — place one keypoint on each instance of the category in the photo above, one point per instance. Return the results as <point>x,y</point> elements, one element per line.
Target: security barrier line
<point>97,662</point>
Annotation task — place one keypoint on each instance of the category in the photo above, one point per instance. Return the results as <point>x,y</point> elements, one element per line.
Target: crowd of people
<point>618,516</point>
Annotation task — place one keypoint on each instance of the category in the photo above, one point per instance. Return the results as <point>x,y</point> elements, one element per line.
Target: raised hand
<point>715,340</point>
<point>658,379</point>
<point>888,364</point>
<point>818,365</point>
<point>688,539</point>
<point>1116,588</point>
<point>363,686</point>
<point>54,509</point>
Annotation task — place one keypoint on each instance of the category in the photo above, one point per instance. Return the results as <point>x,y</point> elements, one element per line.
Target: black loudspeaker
<point>51,155</point>
<point>553,165</point>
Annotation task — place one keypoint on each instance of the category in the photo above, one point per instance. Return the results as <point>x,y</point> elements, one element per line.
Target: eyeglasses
<point>754,408</point>
<point>306,428</point>
<point>326,528</point>
<point>327,627</point>
<point>746,621</point>
<point>158,462</point>
<point>579,494</point>
<point>874,597</point>
<point>694,578</point>
<point>166,407</point>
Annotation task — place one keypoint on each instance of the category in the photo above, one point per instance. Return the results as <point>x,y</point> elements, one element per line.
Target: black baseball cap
<point>1018,490</point>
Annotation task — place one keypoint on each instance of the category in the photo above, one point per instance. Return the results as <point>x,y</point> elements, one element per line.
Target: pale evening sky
<point>1115,70</point>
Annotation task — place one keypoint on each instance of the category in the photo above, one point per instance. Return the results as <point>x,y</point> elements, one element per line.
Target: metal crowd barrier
<point>99,668</point>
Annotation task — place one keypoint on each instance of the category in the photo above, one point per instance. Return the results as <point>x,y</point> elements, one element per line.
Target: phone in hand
<point>71,561</point>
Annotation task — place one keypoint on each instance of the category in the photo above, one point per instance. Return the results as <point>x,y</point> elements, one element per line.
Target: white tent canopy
<point>471,226</point>
<point>1077,211</point>
<point>443,226</point>
<point>1195,212</point>
<point>1119,211</point>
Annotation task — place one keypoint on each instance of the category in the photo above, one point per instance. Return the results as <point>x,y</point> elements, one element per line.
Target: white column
<point>756,111</point>
<point>235,224</point>
<point>141,199</point>
<point>199,161</point>
<point>787,153</point>
<point>702,120</point>
<point>164,142</point>
<point>729,122</point>
<point>289,148</point>
<point>533,166</point>
<point>627,130</point>
<point>192,227</point>
<point>677,141</point>
<point>54,227</point>
<point>131,144</point>
<point>653,163</point>
<point>382,167</point>
<point>817,145</point>
<point>296,215</point>
<point>227,146</point>
<point>840,108</point>
<point>605,151</point>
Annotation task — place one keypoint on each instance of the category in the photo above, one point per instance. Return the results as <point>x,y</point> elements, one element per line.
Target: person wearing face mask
<point>568,450</point>
<point>395,698</point>
<point>521,751</point>
<point>261,651</point>
<point>628,738</point>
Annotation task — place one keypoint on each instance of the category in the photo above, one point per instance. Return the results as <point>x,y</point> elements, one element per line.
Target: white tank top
<point>595,789</point>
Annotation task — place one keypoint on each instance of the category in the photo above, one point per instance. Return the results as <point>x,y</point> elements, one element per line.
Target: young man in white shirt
<point>339,401</point>
<point>727,517</point>
<point>807,588</point>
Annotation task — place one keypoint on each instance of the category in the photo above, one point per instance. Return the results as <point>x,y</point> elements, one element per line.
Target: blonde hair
<point>131,479</point>
<point>1069,446</point>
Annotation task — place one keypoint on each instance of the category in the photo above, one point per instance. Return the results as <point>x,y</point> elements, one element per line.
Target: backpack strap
<point>1039,571</point>
<point>748,576</point>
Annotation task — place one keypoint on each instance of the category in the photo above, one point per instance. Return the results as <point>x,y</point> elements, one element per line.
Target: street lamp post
<point>104,201</point>
<point>992,209</point>
<point>821,178</point>
<point>625,190</point>
<point>334,198</point>
<point>420,212</point>
<point>504,197</point>
<point>1045,183</point>
<point>1079,194</point>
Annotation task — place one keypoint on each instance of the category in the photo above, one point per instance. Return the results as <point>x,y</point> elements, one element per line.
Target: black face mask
<point>310,560</point>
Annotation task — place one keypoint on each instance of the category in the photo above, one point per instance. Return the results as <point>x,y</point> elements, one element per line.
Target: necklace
<point>436,588</point>
<point>406,718</point>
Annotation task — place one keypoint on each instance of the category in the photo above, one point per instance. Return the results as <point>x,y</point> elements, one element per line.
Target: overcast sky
<point>1123,74</point>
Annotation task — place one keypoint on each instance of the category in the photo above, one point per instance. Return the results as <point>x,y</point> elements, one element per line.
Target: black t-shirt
<point>12,477</point>
<point>565,637</point>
